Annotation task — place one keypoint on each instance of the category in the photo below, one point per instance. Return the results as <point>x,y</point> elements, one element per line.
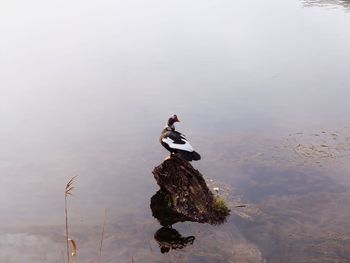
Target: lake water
<point>261,88</point>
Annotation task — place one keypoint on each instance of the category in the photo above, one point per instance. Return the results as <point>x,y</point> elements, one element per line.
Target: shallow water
<point>260,88</point>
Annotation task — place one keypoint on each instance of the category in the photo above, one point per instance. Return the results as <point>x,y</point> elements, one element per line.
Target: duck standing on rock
<point>176,143</point>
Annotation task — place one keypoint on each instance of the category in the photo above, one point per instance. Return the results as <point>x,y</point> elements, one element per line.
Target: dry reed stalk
<point>74,249</point>
<point>102,235</point>
<point>67,191</point>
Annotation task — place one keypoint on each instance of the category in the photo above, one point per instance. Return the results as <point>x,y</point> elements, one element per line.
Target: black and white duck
<point>176,143</point>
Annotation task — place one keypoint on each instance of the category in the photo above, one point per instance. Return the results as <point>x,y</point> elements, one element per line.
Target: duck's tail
<point>189,156</point>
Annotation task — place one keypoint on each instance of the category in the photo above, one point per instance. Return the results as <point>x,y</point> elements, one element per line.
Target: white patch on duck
<point>185,147</point>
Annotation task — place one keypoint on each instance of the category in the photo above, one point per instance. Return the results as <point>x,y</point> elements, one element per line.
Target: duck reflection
<point>167,237</point>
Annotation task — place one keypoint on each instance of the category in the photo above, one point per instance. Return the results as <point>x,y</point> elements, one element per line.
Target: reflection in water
<point>161,209</point>
<point>169,238</point>
<point>344,3</point>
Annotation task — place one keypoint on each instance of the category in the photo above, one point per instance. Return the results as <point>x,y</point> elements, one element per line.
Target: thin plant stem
<point>66,214</point>
<point>67,191</point>
<point>102,235</point>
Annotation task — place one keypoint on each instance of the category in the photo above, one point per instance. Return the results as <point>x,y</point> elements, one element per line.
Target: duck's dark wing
<point>176,140</point>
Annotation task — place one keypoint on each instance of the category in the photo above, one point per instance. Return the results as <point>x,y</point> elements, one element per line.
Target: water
<point>86,88</point>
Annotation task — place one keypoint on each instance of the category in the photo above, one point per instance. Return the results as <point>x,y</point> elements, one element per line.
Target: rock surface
<point>184,195</point>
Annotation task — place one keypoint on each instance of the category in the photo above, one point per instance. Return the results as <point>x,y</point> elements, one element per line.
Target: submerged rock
<point>184,195</point>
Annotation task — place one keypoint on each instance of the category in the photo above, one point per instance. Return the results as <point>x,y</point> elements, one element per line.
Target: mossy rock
<point>189,194</point>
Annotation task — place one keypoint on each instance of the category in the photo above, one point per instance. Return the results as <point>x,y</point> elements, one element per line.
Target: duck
<point>176,143</point>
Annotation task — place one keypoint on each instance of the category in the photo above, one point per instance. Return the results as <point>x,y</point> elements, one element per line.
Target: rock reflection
<point>343,3</point>
<point>167,237</point>
<point>163,211</point>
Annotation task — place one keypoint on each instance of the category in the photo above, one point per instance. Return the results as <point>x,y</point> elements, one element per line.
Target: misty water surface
<point>86,87</point>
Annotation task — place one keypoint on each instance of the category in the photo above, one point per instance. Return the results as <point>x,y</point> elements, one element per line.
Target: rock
<point>184,195</point>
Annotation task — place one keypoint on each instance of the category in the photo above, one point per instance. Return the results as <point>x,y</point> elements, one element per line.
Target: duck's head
<point>172,120</point>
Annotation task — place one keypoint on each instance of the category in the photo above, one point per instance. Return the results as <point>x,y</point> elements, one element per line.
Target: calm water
<point>261,88</point>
